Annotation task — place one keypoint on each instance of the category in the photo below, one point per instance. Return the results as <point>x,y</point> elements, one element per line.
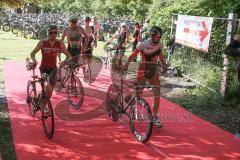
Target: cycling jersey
<point>121,38</point>
<point>150,54</point>
<point>49,54</point>
<point>74,36</point>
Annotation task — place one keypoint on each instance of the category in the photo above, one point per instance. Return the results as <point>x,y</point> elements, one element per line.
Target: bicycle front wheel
<point>47,119</point>
<point>31,98</point>
<point>75,94</point>
<point>113,102</point>
<point>141,120</point>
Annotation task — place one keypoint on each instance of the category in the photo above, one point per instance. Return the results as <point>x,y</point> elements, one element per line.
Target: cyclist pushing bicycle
<point>75,34</point>
<point>50,47</point>
<point>122,40</point>
<point>151,52</point>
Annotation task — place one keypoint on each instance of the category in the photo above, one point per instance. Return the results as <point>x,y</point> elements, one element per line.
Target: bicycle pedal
<point>28,100</point>
<point>35,109</point>
<point>121,110</point>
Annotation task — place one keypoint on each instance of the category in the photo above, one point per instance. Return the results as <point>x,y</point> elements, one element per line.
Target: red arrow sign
<point>201,33</point>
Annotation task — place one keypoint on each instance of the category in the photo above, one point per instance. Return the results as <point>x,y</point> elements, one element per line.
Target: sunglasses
<point>52,32</point>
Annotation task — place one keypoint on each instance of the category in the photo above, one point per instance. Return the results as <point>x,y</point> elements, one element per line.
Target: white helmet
<point>123,25</point>
<point>73,17</point>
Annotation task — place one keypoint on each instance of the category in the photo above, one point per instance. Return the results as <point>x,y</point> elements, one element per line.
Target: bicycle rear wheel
<point>75,94</point>
<point>113,102</point>
<point>31,98</point>
<point>60,76</point>
<point>28,34</point>
<point>141,120</point>
<point>6,27</point>
<point>47,117</point>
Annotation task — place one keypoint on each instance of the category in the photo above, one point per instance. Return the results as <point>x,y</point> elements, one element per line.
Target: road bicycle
<point>40,101</point>
<point>135,107</point>
<point>67,82</point>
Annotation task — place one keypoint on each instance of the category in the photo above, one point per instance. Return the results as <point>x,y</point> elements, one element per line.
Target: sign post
<point>231,25</point>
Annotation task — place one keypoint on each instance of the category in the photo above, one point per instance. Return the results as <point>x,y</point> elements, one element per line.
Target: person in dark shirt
<point>233,49</point>
<point>136,37</point>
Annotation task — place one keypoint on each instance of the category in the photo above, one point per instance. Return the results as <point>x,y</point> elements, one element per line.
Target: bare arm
<point>63,35</point>
<point>64,51</point>
<point>127,37</point>
<point>160,58</point>
<point>113,37</point>
<point>86,40</point>
<point>163,64</point>
<point>131,57</point>
<point>35,50</point>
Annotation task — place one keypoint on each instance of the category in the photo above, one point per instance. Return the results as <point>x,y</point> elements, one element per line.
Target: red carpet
<point>89,134</point>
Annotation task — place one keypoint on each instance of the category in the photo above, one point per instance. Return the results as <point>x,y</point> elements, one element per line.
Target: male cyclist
<point>151,52</point>
<point>96,26</point>
<point>136,37</point>
<point>91,39</point>
<point>74,34</point>
<point>50,48</point>
<point>122,40</point>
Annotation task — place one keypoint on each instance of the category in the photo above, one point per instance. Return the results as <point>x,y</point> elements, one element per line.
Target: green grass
<point>209,105</point>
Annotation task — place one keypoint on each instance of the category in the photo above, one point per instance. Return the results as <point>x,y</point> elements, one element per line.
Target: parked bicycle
<point>40,101</point>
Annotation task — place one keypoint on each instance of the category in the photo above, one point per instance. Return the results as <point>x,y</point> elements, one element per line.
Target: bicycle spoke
<point>141,120</point>
<point>75,93</point>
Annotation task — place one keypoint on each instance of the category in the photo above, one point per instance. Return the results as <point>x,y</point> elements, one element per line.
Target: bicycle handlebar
<point>31,66</point>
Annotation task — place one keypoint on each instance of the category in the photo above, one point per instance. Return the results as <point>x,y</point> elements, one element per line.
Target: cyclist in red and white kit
<point>50,48</point>
<point>151,52</point>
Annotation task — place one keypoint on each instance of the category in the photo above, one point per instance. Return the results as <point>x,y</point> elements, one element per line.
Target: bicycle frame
<point>66,78</point>
<point>36,79</point>
<point>125,107</point>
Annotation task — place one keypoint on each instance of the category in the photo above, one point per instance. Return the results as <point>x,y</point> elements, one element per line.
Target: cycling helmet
<point>73,17</point>
<point>155,30</point>
<point>123,25</point>
<point>87,18</point>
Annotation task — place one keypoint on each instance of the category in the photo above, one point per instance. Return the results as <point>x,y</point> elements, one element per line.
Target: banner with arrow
<point>194,31</point>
